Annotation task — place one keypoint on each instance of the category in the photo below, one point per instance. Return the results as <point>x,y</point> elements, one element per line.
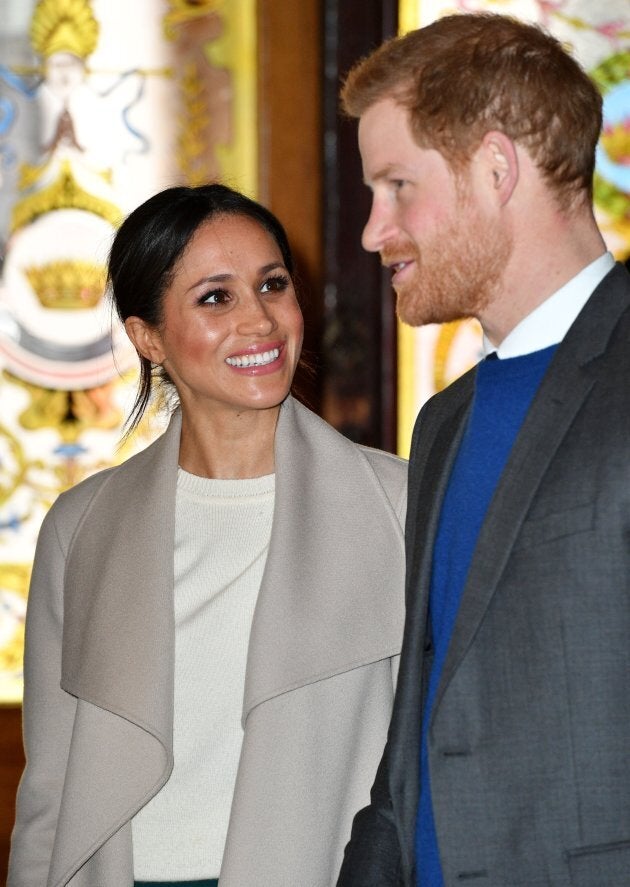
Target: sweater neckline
<point>225,487</point>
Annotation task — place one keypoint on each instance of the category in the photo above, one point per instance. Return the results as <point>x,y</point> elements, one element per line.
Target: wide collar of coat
<point>568,381</point>
<point>330,597</point>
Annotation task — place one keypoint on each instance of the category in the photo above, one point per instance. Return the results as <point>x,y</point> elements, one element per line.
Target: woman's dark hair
<point>149,244</point>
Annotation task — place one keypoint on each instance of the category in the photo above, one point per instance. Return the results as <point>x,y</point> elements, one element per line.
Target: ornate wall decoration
<point>612,178</point>
<point>92,121</point>
<point>214,44</point>
<point>599,35</point>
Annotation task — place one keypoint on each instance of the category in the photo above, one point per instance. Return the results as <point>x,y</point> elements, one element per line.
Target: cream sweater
<point>222,534</point>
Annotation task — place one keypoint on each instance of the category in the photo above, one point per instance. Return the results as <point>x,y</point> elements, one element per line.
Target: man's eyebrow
<point>388,171</point>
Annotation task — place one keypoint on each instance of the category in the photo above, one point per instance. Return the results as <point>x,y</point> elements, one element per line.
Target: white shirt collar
<point>548,323</point>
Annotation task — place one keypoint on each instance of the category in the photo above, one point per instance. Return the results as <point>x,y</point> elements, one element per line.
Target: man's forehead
<point>387,145</point>
<point>382,127</point>
<point>384,109</point>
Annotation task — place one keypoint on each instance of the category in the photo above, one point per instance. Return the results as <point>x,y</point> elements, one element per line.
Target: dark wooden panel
<point>310,176</point>
<point>11,766</point>
<point>290,139</point>
<point>359,346</point>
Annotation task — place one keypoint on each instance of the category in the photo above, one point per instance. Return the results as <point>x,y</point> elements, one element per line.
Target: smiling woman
<point>213,626</point>
<point>229,337</point>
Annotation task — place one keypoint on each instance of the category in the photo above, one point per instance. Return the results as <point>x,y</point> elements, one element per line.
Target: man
<point>508,757</point>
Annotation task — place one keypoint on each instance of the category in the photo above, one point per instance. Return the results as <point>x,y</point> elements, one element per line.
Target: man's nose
<point>378,229</point>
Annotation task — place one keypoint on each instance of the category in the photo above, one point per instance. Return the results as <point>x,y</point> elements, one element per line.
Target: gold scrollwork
<point>70,413</point>
<point>192,149</point>
<point>15,468</point>
<point>63,193</point>
<point>14,581</point>
<point>216,42</point>
<point>181,11</point>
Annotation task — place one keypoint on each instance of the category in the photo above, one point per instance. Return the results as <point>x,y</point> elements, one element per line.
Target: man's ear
<point>145,338</point>
<point>501,162</point>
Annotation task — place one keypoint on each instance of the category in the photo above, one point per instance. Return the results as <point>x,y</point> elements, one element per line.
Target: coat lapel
<point>565,386</point>
<point>335,559</point>
<point>118,619</point>
<point>118,654</point>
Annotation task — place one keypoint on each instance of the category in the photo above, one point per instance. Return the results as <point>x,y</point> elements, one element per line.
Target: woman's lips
<point>258,361</point>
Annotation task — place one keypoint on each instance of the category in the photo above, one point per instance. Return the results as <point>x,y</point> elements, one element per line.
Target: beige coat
<point>327,629</point>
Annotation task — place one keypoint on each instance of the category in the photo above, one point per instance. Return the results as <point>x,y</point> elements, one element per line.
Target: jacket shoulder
<point>390,469</point>
<point>68,510</point>
<point>440,407</point>
<point>70,506</point>
<point>459,391</point>
<point>391,472</point>
<point>386,471</point>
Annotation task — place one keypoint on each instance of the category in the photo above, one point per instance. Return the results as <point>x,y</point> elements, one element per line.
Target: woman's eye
<point>275,284</point>
<point>215,297</point>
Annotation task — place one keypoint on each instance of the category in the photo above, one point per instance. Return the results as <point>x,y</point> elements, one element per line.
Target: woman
<point>213,625</point>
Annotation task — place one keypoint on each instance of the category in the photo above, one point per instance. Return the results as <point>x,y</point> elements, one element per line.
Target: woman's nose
<point>256,318</point>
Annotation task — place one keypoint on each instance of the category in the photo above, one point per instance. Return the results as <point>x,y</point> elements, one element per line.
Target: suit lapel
<point>432,460</point>
<point>564,389</point>
<point>335,559</point>
<point>435,447</point>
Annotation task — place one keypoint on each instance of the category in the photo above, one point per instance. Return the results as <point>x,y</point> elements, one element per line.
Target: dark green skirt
<point>209,882</point>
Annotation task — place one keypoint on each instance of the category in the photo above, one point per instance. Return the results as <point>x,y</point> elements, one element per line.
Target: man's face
<point>443,243</point>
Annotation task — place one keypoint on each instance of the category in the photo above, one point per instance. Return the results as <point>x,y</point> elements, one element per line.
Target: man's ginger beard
<point>457,271</point>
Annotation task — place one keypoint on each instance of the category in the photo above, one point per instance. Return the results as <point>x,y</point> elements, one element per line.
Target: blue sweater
<point>504,390</point>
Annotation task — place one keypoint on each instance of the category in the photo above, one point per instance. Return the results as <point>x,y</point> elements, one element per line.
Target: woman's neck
<point>232,445</point>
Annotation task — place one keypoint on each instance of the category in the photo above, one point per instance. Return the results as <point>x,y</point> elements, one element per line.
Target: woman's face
<point>231,333</point>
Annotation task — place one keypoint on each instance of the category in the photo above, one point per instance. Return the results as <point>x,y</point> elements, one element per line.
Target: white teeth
<point>250,360</point>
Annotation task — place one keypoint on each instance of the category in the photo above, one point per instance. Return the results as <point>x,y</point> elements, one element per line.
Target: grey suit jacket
<point>326,632</point>
<point>529,741</point>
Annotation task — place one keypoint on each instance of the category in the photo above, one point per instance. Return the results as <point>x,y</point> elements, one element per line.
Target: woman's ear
<point>145,338</point>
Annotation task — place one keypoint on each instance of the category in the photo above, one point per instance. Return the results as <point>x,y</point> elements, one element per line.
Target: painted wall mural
<point>599,36</point>
<point>102,103</point>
